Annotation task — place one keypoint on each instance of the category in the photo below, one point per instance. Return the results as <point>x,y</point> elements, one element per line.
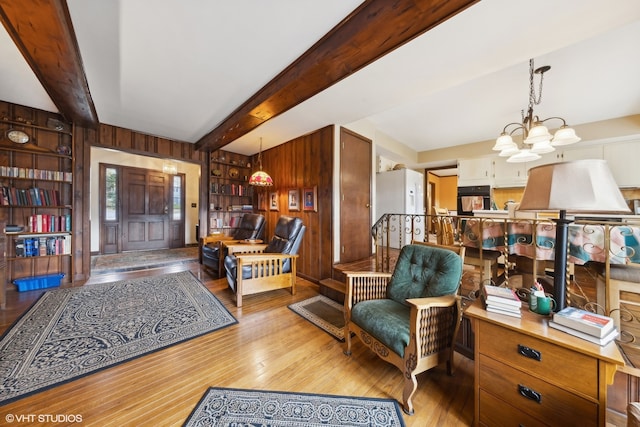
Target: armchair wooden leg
<point>239,288</point>
<point>410,386</point>
<point>347,338</point>
<point>294,272</point>
<point>450,365</point>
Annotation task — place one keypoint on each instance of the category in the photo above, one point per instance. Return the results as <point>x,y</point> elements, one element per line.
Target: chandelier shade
<point>523,155</point>
<point>542,147</point>
<point>538,133</point>
<point>532,129</point>
<point>503,141</point>
<point>509,150</point>
<point>564,136</point>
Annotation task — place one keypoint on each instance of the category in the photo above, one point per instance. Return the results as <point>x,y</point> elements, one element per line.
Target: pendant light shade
<point>260,178</point>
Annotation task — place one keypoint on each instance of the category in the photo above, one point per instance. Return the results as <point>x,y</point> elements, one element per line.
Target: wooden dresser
<point>531,375</point>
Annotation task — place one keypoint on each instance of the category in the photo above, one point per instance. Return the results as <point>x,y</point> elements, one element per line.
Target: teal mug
<point>544,305</point>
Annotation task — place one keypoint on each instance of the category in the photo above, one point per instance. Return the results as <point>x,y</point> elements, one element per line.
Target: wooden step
<point>334,284</point>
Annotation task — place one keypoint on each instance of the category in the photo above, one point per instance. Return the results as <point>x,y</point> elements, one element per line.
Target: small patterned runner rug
<point>323,312</point>
<point>69,333</point>
<point>141,260</point>
<point>235,407</point>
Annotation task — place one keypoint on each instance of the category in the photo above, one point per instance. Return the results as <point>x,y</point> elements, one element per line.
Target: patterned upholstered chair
<point>253,269</point>
<point>213,248</point>
<point>409,319</point>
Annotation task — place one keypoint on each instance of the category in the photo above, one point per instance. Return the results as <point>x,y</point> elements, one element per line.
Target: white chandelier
<point>534,133</point>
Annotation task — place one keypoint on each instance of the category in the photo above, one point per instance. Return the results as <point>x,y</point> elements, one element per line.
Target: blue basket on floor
<point>38,282</point>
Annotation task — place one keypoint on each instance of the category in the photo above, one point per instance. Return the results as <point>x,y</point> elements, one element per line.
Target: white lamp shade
<point>542,147</point>
<point>503,141</point>
<point>581,186</point>
<point>538,133</point>
<point>564,136</point>
<point>509,150</point>
<point>523,156</point>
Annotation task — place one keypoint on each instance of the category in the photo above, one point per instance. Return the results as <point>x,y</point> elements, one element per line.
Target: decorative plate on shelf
<point>233,173</point>
<point>216,172</point>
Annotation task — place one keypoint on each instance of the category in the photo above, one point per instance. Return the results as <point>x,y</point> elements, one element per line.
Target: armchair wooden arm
<point>238,247</point>
<point>436,321</point>
<point>362,286</point>
<point>211,238</point>
<point>267,273</point>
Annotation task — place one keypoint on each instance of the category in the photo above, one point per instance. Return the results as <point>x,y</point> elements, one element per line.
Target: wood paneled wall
<point>304,162</point>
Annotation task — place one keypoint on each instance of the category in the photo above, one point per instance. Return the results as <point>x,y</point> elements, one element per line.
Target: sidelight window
<point>111,194</point>
<point>176,202</point>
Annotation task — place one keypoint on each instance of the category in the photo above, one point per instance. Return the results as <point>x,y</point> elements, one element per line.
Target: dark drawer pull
<point>529,394</point>
<point>529,352</point>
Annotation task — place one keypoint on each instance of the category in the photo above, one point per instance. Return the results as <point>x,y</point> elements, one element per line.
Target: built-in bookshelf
<point>36,191</point>
<point>230,195</point>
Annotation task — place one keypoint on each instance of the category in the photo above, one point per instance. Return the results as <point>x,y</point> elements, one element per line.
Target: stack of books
<point>501,300</point>
<point>593,327</point>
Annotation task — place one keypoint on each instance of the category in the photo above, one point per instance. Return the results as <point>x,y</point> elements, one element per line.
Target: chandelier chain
<point>532,92</point>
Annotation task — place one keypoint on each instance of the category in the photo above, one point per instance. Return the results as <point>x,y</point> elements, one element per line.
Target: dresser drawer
<point>533,396</point>
<point>558,365</point>
<point>496,413</point>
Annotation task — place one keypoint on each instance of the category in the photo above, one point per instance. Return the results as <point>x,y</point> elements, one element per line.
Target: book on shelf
<point>500,295</point>
<point>510,312</point>
<point>585,321</point>
<point>612,335</point>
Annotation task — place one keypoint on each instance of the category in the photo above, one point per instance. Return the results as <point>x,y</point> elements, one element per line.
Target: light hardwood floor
<point>271,348</point>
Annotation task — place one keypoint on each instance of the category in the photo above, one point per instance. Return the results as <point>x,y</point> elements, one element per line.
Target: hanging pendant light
<point>260,178</point>
<point>533,131</point>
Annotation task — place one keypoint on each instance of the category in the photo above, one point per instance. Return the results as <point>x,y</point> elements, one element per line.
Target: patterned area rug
<point>140,260</point>
<point>323,312</point>
<point>69,333</point>
<point>234,407</point>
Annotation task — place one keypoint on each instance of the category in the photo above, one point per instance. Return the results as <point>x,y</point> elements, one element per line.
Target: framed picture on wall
<point>294,200</point>
<point>310,199</point>
<point>262,201</point>
<point>273,201</point>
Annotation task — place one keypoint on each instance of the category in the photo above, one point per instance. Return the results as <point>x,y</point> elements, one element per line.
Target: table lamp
<point>581,186</point>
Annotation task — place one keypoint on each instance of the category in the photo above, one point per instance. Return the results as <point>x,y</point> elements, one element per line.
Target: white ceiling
<point>178,69</point>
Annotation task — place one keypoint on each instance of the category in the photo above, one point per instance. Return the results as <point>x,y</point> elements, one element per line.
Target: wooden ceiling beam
<point>43,32</point>
<point>374,29</point>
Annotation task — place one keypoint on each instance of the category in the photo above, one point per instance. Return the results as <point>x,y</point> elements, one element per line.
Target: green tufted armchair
<point>411,318</point>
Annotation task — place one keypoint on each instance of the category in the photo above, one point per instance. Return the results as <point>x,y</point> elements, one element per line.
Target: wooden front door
<point>355,196</point>
<point>145,209</point>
